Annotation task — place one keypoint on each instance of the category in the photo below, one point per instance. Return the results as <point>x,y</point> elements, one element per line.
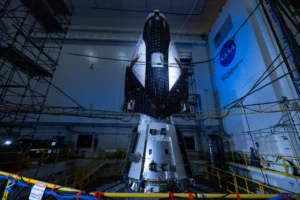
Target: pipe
<point>277,41</point>
<point>211,151</point>
<point>154,195</point>
<point>221,148</point>
<point>186,195</point>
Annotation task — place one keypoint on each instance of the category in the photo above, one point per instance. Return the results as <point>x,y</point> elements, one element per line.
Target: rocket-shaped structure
<point>156,86</point>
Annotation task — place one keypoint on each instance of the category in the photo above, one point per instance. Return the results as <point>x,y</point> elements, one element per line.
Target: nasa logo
<point>227,53</point>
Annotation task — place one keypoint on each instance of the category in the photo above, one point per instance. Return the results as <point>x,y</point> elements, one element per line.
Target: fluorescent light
<point>7,142</point>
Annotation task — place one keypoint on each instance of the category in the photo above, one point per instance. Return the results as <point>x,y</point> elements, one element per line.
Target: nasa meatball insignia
<point>227,53</point>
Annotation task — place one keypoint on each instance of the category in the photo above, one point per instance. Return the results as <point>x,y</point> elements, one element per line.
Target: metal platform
<point>22,62</point>
<point>40,10</point>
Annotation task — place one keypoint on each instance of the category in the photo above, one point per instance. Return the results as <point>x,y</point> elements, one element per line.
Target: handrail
<point>26,159</point>
<point>82,176</point>
<point>259,108</point>
<point>76,175</point>
<point>262,162</point>
<point>46,149</point>
<point>149,195</point>
<point>238,184</point>
<point>266,154</point>
<point>275,163</point>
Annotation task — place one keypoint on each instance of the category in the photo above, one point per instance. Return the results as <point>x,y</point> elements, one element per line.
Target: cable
<point>232,38</point>
<point>128,119</point>
<point>251,79</point>
<point>145,11</point>
<point>204,6</point>
<point>102,58</point>
<point>267,84</point>
<point>115,59</point>
<point>62,92</point>
<point>260,81</point>
<point>59,194</point>
<point>241,99</point>
<point>182,26</point>
<point>191,64</point>
<point>167,64</point>
<point>278,11</point>
<point>291,119</point>
<point>249,93</point>
<point>186,21</point>
<point>249,132</point>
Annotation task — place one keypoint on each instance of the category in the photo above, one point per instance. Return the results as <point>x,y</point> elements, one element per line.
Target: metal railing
<point>275,163</point>
<point>82,177</point>
<point>203,156</point>
<point>237,184</point>
<point>32,158</point>
<point>267,107</point>
<point>113,153</point>
<point>280,164</point>
<point>76,193</point>
<point>39,157</point>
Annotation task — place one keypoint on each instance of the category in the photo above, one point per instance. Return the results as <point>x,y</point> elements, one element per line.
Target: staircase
<point>183,150</point>
<point>130,150</point>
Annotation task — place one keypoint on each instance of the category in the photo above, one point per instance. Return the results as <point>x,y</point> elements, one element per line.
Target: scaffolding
<point>194,102</point>
<point>32,34</point>
<point>259,108</point>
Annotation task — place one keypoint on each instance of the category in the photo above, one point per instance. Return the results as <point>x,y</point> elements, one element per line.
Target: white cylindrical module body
<point>161,159</point>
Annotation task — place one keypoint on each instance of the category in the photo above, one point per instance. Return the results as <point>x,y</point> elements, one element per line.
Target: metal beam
<point>260,108</point>
<point>35,124</point>
<point>124,36</point>
<point>12,86</point>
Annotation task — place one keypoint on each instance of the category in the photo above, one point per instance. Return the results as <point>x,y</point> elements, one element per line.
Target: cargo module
<point>156,86</point>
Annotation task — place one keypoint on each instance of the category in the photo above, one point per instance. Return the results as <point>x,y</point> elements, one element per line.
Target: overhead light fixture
<point>7,142</point>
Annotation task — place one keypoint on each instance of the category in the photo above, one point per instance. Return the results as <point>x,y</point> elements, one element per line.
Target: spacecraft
<point>156,86</point>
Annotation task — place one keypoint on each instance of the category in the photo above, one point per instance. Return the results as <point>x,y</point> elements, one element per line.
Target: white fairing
<point>162,149</point>
<point>139,69</point>
<point>174,70</point>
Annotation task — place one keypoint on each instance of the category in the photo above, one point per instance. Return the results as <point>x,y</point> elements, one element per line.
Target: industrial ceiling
<point>102,13</point>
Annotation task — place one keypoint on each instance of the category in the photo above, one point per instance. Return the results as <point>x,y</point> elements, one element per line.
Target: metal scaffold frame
<point>194,100</point>
<point>27,61</point>
<point>259,108</point>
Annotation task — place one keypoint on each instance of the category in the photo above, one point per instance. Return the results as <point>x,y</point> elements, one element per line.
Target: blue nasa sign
<point>227,53</point>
